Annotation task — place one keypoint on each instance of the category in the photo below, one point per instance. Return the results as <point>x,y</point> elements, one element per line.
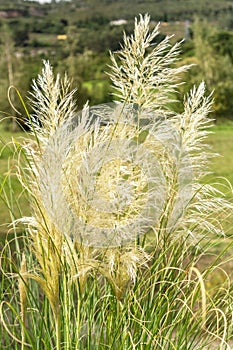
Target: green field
<point>221,142</point>
<point>12,194</point>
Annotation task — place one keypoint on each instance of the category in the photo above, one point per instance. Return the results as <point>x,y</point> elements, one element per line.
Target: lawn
<point>221,142</point>
<point>12,194</point>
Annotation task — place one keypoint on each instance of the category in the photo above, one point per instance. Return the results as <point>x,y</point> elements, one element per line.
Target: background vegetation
<point>76,37</point>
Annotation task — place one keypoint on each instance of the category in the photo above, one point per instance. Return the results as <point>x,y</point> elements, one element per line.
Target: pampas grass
<point>120,215</point>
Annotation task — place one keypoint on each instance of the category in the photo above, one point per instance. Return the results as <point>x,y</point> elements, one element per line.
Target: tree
<point>8,49</point>
<point>213,64</point>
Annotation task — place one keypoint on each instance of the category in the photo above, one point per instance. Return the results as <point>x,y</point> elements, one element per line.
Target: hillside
<point>168,10</point>
<point>160,10</point>
<point>76,37</point>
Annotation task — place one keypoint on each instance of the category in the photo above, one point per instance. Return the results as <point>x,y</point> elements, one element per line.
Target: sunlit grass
<point>13,199</point>
<point>221,142</point>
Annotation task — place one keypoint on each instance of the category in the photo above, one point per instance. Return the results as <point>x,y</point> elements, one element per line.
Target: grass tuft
<point>121,216</point>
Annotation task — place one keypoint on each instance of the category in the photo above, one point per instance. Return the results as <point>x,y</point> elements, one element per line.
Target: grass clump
<point>120,216</point>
